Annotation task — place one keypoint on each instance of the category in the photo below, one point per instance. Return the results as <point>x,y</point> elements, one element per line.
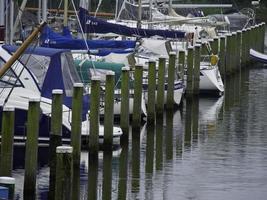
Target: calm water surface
<point>214,148</point>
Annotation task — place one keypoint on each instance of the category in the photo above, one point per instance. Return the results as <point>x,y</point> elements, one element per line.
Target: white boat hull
<point>210,80</point>
<point>117,106</point>
<point>177,95</point>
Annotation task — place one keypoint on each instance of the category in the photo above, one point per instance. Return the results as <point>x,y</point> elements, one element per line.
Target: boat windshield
<point>38,65</point>
<point>9,79</point>
<point>70,75</point>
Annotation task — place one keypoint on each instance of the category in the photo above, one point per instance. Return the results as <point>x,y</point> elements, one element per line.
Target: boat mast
<point>39,11</point>
<point>20,50</point>
<point>2,12</point>
<point>116,9</point>
<point>170,6</point>
<point>22,7</point>
<point>150,13</point>
<point>11,22</point>
<point>44,10</point>
<point>139,14</point>
<point>65,22</point>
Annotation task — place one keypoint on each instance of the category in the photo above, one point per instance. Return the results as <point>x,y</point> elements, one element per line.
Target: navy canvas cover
<point>65,41</point>
<point>95,25</point>
<point>54,76</point>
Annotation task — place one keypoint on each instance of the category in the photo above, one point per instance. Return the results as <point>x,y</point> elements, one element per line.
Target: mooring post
<point>261,37</point>
<point>109,108</point>
<point>138,78</point>
<point>31,146</point>
<point>94,114</point>
<point>181,64</point>
<point>9,183</point>
<point>197,69</point>
<point>228,54</point>
<point>8,118</point>
<point>55,139</point>
<point>255,33</point>
<point>215,45</point>
<point>262,43</point>
<point>64,173</point>
<point>239,49</point>
<point>190,67</point>
<point>234,52</point>
<point>222,56</point>
<point>56,117</point>
<point>171,76</point>
<point>151,91</point>
<point>243,48</point>
<point>249,42</point>
<point>76,122</point>
<point>124,118</point>
<point>257,42</point>
<point>211,42</point>
<point>161,86</point>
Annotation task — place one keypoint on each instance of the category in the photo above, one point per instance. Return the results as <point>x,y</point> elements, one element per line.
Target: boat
<point>86,68</point>
<point>257,56</point>
<point>152,49</point>
<point>39,71</point>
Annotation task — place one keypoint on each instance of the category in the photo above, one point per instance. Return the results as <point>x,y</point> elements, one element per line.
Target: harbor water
<point>210,148</point>
<point>218,151</point>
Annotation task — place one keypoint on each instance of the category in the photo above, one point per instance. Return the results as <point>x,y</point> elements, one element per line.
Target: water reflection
<point>123,170</point>
<point>169,135</point>
<point>213,148</point>
<point>107,175</point>
<point>135,162</point>
<point>159,143</point>
<point>149,164</point>
<point>92,176</point>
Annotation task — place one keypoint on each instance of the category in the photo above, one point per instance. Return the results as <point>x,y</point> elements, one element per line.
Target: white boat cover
<point>258,56</point>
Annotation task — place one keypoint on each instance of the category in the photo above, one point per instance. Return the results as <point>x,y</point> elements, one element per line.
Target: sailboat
<point>33,75</point>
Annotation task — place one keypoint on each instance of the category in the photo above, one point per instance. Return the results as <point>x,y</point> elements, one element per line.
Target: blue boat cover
<point>3,192</point>
<point>54,75</point>
<point>65,41</point>
<point>94,25</point>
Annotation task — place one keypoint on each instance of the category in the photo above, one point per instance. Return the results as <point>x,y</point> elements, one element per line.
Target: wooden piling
<point>211,43</point>
<point>8,118</point>
<point>222,55</point>
<point>181,65</point>
<point>228,67</point>
<point>196,72</point>
<point>31,146</point>
<point>138,79</point>
<point>255,33</point>
<point>239,49</point>
<point>151,91</point>
<point>190,67</point>
<point>243,47</point>
<point>76,122</point>
<point>262,41</point>
<point>64,173</point>
<point>8,182</point>
<point>55,139</point>
<point>249,42</point>
<point>171,76</point>
<point>124,118</point>
<point>161,86</point>
<point>94,114</point>
<point>215,45</point>
<point>109,108</point>
<point>56,115</point>
<point>234,52</point>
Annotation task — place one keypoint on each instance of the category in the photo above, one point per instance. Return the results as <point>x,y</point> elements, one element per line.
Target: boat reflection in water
<point>130,171</point>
